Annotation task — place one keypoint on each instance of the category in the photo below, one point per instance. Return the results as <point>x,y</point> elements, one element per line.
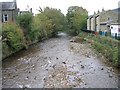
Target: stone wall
<point>11,15</point>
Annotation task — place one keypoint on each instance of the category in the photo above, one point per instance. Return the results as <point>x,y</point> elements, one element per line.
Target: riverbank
<point>105,46</point>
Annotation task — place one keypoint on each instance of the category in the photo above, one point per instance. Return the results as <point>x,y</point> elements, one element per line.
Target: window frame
<point>5,17</point>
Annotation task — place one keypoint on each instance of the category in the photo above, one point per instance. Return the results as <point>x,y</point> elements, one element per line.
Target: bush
<point>25,21</point>
<point>107,46</point>
<point>13,37</point>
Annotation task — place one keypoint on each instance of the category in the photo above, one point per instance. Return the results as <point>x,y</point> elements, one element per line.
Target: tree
<point>56,17</point>
<point>25,22</point>
<point>48,22</point>
<point>77,19</point>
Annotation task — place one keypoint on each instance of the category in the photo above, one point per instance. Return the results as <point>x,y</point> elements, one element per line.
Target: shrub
<point>25,21</point>
<point>14,37</point>
<point>107,46</point>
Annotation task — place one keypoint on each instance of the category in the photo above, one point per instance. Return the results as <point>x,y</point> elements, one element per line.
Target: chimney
<point>94,12</point>
<point>98,11</point>
<point>14,1</point>
<point>103,10</point>
<point>31,10</point>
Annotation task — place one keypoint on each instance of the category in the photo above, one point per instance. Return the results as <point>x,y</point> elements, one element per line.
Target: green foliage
<point>25,21</point>
<point>5,50</point>
<point>107,46</point>
<point>42,25</point>
<point>56,17</point>
<point>14,37</point>
<point>77,19</point>
<point>48,22</point>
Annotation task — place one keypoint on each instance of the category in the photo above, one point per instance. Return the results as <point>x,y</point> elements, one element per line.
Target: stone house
<point>102,21</point>
<point>9,11</point>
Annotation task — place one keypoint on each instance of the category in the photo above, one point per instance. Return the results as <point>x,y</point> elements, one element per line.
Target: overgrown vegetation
<point>107,46</point>
<point>77,19</point>
<point>30,29</point>
<point>13,38</point>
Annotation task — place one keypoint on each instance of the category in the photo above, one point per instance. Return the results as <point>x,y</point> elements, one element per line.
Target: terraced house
<point>104,21</point>
<point>9,11</point>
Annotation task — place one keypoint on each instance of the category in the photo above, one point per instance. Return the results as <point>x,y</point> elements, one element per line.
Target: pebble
<point>26,78</point>
<point>71,47</point>
<point>35,78</point>
<point>64,62</point>
<point>20,86</point>
<point>57,58</point>
<point>110,75</point>
<point>45,57</point>
<point>49,62</point>
<point>108,71</point>
<point>102,68</point>
<point>26,86</point>
<point>85,83</point>
<point>82,66</point>
<point>54,66</point>
<point>88,56</point>
<point>44,79</point>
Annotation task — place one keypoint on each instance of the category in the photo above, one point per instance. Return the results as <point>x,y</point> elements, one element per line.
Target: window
<point>5,17</point>
<point>111,27</point>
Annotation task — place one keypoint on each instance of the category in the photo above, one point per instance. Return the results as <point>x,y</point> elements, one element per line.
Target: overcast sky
<point>90,5</point>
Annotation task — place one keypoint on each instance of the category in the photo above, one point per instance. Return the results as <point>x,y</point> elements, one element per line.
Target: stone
<point>27,78</point>
<point>82,66</point>
<point>85,83</point>
<point>49,62</point>
<point>54,66</point>
<point>35,78</point>
<point>44,79</point>
<point>20,86</point>
<point>45,57</point>
<point>26,86</point>
<point>102,68</point>
<point>108,71</point>
<point>57,58</point>
<point>110,75</point>
<point>71,47</point>
<point>64,62</point>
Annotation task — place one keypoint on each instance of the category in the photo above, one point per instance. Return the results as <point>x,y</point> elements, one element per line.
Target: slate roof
<point>106,22</point>
<point>7,5</point>
<point>116,10</point>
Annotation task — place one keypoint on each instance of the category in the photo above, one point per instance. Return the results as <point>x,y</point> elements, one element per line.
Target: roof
<point>116,10</point>
<point>106,22</point>
<point>91,16</point>
<point>7,5</point>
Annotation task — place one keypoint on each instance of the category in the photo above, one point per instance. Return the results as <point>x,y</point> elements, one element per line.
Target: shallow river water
<point>58,63</point>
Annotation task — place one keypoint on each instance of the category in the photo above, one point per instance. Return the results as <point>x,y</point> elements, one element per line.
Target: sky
<point>89,5</point>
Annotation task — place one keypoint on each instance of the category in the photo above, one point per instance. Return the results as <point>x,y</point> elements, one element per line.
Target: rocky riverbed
<point>58,62</point>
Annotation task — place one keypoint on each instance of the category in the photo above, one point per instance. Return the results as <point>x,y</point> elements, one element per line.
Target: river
<point>58,63</point>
